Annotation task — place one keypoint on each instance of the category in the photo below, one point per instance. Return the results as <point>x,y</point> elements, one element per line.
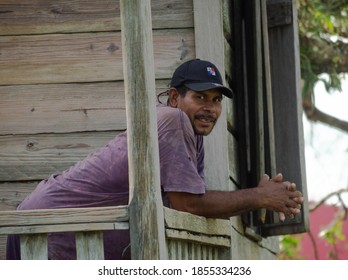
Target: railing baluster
<point>89,245</point>
<point>34,246</point>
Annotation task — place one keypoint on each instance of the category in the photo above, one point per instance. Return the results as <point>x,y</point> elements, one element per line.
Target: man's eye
<point>218,100</point>
<point>201,97</point>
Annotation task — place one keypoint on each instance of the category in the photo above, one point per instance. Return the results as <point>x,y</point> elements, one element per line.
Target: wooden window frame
<point>267,100</point>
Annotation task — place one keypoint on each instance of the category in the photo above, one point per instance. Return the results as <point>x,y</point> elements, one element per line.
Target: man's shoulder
<point>169,118</point>
<point>169,114</point>
<point>164,109</point>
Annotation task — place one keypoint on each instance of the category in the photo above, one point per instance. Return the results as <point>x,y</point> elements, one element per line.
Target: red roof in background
<point>321,218</point>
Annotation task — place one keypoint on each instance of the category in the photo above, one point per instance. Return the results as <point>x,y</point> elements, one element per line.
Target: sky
<point>326,148</point>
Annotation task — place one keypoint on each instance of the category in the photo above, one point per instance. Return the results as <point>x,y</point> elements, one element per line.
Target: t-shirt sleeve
<point>178,155</point>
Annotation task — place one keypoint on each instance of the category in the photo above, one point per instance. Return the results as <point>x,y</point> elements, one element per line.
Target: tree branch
<point>324,199</point>
<point>313,114</point>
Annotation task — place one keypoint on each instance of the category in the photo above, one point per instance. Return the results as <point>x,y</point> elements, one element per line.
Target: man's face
<point>202,108</point>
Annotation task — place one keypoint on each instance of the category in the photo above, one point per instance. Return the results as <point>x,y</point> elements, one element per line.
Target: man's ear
<point>173,96</point>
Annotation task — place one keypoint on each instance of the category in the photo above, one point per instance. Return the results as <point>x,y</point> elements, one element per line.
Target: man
<point>101,179</point>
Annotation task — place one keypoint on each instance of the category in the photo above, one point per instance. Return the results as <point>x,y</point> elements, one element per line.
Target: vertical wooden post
<point>89,245</point>
<point>34,246</point>
<point>268,88</point>
<point>145,207</point>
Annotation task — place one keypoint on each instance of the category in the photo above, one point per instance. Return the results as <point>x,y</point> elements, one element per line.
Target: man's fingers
<point>278,177</point>
<point>299,200</point>
<point>281,216</point>
<point>295,211</point>
<point>290,215</point>
<point>291,187</point>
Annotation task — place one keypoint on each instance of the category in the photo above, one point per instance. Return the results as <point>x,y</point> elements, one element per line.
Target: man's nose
<point>209,106</point>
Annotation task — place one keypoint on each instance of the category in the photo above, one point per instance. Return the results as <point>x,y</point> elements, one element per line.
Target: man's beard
<point>205,117</point>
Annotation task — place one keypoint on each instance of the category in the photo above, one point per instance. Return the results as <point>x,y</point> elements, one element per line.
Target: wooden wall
<point>62,93</point>
<point>61,82</point>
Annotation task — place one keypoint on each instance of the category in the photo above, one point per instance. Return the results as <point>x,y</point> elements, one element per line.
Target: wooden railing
<point>187,236</point>
<point>190,237</point>
<point>88,224</point>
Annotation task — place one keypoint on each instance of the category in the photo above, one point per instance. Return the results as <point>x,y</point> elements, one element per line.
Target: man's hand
<point>291,207</point>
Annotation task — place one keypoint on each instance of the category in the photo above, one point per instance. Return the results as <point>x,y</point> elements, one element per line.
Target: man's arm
<point>270,194</point>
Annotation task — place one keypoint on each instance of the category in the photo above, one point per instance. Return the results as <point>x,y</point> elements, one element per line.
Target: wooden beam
<point>146,211</point>
<point>268,90</point>
<point>68,227</point>
<point>214,241</point>
<point>64,216</point>
<point>200,225</point>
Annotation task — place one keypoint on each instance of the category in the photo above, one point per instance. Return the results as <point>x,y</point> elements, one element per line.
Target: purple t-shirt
<point>101,179</point>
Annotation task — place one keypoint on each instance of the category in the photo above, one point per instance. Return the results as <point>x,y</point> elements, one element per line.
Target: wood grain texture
<point>84,57</point>
<point>185,221</point>
<point>64,216</point>
<point>146,231</point>
<point>61,108</point>
<point>200,239</point>
<point>89,245</point>
<point>35,157</point>
<point>64,16</point>
<point>71,227</point>
<point>210,46</point>
<point>11,194</point>
<point>34,247</point>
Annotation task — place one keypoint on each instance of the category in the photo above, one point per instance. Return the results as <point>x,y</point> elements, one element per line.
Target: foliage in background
<point>290,247</point>
<point>332,234</point>
<point>323,33</point>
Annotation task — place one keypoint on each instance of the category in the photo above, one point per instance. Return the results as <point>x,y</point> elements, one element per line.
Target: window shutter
<point>268,101</point>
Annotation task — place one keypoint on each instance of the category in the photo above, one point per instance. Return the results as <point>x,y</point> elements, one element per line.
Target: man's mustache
<point>210,117</point>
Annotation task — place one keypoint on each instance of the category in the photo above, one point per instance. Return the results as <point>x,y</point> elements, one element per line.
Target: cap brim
<point>207,86</point>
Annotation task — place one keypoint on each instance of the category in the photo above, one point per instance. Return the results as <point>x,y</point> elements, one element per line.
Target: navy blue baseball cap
<point>199,75</point>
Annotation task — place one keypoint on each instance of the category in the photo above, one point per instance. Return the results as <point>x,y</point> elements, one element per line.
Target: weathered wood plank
<point>64,16</point>
<point>201,239</point>
<point>11,194</point>
<point>146,231</point>
<point>180,249</point>
<point>290,158</point>
<point>3,240</point>
<point>89,245</point>
<point>35,157</point>
<point>84,57</point>
<point>209,41</point>
<point>185,221</point>
<point>34,247</point>
<point>233,162</point>
<point>49,228</point>
<point>64,108</point>
<point>57,58</point>
<point>64,216</point>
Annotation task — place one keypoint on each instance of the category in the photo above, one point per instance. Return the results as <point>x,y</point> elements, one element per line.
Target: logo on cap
<point>211,71</point>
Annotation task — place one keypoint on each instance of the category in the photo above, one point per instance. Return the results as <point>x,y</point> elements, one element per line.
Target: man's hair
<point>182,90</point>
<point>164,94</point>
